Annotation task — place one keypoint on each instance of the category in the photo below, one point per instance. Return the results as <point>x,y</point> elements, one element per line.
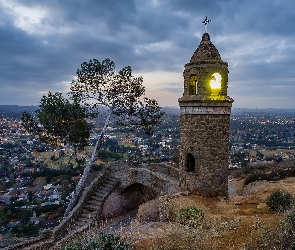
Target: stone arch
<point>145,177</point>
<point>126,199</point>
<point>137,185</point>
<point>143,192</point>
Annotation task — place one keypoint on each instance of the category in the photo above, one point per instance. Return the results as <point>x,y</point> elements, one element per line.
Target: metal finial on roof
<point>205,22</point>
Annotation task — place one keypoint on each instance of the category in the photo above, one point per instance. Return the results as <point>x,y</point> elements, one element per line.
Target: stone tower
<point>204,123</point>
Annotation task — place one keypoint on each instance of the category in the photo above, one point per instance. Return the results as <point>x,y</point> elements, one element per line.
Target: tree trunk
<point>86,171</point>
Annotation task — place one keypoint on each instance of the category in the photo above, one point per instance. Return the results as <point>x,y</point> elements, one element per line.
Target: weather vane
<point>205,22</point>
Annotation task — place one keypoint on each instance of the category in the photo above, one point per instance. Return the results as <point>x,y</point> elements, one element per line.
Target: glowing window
<point>215,84</point>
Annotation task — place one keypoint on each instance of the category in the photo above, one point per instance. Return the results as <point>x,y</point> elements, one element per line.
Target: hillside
<point>241,222</point>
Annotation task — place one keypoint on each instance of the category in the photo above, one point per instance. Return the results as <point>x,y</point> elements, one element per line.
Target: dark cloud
<point>42,43</point>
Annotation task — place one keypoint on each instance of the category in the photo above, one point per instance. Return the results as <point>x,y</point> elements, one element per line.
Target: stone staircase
<point>93,207</point>
<point>89,208</point>
<point>85,213</point>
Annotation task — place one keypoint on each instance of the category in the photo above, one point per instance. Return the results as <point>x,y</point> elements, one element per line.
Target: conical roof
<point>206,52</point>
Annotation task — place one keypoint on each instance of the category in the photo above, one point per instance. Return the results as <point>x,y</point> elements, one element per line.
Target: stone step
<point>94,203</point>
<point>110,183</point>
<point>82,220</point>
<point>92,207</point>
<point>105,190</point>
<point>106,187</point>
<point>88,215</point>
<point>100,193</point>
<point>112,179</point>
<point>86,211</point>
<point>98,198</point>
<point>78,227</point>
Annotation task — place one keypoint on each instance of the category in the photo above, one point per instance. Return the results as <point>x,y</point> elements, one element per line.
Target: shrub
<point>99,241</point>
<point>190,216</point>
<point>289,219</point>
<point>274,175</point>
<point>97,167</point>
<point>283,237</point>
<point>255,177</point>
<point>279,201</point>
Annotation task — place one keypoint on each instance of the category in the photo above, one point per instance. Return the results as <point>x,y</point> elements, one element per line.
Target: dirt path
<point>232,192</point>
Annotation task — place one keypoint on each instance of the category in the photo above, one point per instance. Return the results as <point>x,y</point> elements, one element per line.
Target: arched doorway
<point>190,163</point>
<point>122,201</point>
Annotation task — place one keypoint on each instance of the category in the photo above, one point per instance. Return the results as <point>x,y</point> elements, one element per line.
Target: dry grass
<point>243,222</point>
<point>216,232</point>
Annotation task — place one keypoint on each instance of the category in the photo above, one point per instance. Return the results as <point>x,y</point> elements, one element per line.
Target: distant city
<point>36,179</point>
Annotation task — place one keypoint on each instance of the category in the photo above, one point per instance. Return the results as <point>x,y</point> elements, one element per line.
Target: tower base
<point>204,150</point>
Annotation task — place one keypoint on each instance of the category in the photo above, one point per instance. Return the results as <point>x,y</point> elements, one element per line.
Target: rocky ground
<point>240,222</point>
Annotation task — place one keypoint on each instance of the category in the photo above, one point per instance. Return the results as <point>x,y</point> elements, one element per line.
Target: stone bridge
<point>115,190</point>
<point>161,178</point>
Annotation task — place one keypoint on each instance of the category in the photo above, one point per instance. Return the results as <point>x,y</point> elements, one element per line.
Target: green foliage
<point>108,155</point>
<point>3,218</point>
<point>289,228</point>
<point>290,219</point>
<point>283,237</point>
<point>25,216</point>
<point>59,121</point>
<point>27,230</point>
<point>97,167</point>
<point>8,184</point>
<point>274,175</point>
<point>100,241</point>
<point>279,201</point>
<point>190,216</point>
<point>255,177</point>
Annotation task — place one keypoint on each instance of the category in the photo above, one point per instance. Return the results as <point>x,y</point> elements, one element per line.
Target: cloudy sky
<point>43,42</point>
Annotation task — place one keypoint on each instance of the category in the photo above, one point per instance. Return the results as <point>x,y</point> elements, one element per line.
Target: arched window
<point>215,84</point>
<point>193,85</point>
<point>190,163</point>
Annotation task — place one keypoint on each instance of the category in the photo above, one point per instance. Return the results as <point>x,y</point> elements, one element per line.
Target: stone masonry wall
<point>206,137</point>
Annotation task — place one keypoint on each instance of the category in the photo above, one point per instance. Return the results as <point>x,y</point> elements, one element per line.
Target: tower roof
<point>206,52</point>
